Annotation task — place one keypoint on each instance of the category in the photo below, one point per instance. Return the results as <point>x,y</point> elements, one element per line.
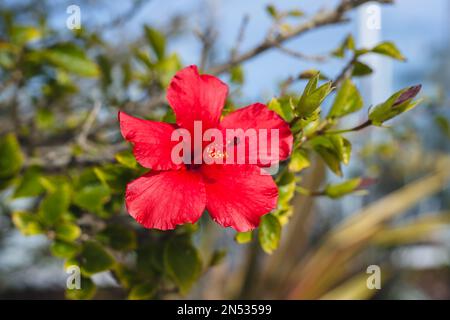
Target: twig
<point>300,55</point>
<point>240,37</point>
<point>320,19</point>
<point>81,139</point>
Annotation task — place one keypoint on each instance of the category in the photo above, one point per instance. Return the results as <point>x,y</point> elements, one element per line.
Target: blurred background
<point>402,222</point>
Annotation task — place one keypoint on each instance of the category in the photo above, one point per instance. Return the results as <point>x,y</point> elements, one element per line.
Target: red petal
<point>151,140</point>
<point>258,116</point>
<point>196,97</point>
<point>238,195</point>
<point>162,200</point>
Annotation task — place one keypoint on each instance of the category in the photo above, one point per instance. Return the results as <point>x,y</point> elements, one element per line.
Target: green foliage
<point>95,258</point>
<point>157,41</point>
<point>55,204</point>
<point>182,263</point>
<point>243,237</point>
<point>341,189</point>
<point>11,158</point>
<point>143,291</point>
<point>87,290</point>
<point>348,100</point>
<point>398,103</point>
<point>269,233</point>
<point>29,184</point>
<point>312,97</point>
<point>27,223</point>
<point>70,58</point>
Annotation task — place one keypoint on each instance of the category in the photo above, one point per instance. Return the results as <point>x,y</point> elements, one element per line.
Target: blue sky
<point>416,26</point>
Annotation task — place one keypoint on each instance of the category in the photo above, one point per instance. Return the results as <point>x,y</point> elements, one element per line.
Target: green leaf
<point>64,249</point>
<point>92,197</point>
<point>282,107</point>
<point>341,189</point>
<point>118,237</point>
<point>343,148</point>
<point>312,97</point>
<point>347,44</point>
<point>269,233</point>
<point>361,69</point>
<point>94,258</point>
<point>127,159</point>
<point>67,231</point>
<point>348,100</point>
<point>157,41</point>
<point>443,124</point>
<point>272,11</point>
<point>55,204</point>
<point>21,35</point>
<point>243,237</point>
<point>217,257</point>
<point>299,161</point>
<point>398,103</point>
<point>237,74</point>
<point>327,151</point>
<point>182,263</point>
<point>11,158</point>
<point>143,291</point>
<point>71,58</point>
<point>388,49</point>
<point>27,223</point>
<point>86,292</point>
<point>29,185</point>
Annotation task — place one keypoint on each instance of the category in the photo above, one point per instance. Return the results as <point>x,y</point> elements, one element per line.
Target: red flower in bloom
<point>235,195</point>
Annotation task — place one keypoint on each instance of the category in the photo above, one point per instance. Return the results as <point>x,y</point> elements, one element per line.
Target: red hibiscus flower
<point>235,195</point>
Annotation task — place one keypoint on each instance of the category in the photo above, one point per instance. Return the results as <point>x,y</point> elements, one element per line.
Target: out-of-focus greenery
<point>61,151</point>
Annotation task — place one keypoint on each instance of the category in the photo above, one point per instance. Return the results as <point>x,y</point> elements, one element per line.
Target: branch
<point>320,19</point>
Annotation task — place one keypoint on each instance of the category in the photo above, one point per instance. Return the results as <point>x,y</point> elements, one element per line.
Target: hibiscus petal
<point>196,97</point>
<point>163,200</point>
<point>257,116</point>
<point>151,141</point>
<point>238,195</point>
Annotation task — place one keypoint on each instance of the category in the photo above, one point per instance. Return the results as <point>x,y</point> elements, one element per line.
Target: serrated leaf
<point>269,233</point>
<point>182,263</point>
<point>348,100</point>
